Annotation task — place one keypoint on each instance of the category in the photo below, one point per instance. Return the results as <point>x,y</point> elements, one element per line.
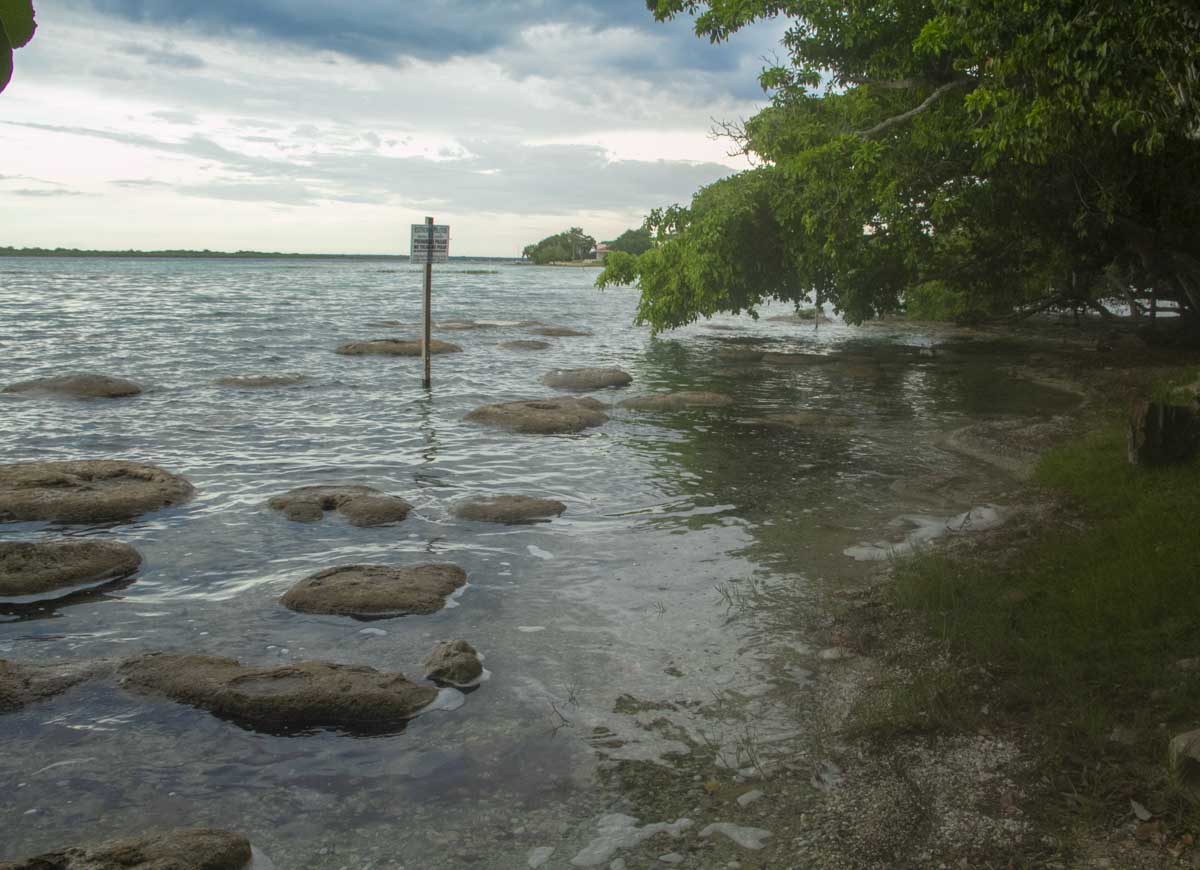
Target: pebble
<point>373,632</point>
<point>540,856</point>
<point>749,798</point>
<point>746,837</point>
<point>671,858</point>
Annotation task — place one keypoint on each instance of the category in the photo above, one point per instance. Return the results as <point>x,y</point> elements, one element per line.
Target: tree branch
<point>912,113</point>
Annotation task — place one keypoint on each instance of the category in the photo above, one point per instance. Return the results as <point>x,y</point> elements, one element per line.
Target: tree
<point>635,241</point>
<point>16,29</point>
<point>569,245</point>
<point>952,156</point>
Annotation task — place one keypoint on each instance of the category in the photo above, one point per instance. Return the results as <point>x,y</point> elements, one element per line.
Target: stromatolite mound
<point>78,386</point>
<point>586,379</point>
<point>261,381</point>
<point>524,344</point>
<point>556,331</point>
<point>39,571</point>
<point>290,697</point>
<point>23,684</point>
<point>678,401</point>
<point>395,347</point>
<point>542,416</point>
<point>86,491</point>
<point>184,849</point>
<point>455,662</point>
<point>508,509</point>
<point>376,591</point>
<point>360,505</point>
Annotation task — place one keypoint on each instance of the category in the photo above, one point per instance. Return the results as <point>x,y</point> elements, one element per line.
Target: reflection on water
<point>616,598</point>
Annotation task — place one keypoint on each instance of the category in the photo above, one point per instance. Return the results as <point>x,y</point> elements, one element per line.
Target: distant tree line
<point>574,244</point>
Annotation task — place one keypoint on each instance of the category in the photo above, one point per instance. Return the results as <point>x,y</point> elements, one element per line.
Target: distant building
<point>599,252</point>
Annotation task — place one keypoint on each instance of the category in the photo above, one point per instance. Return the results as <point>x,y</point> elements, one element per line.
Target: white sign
<point>430,244</point>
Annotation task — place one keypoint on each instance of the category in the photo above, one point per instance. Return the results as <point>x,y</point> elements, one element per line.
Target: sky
<point>318,126</point>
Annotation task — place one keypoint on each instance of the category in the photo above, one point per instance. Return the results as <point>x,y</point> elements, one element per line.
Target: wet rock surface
<point>556,331</point>
<point>376,591</point>
<point>805,420</point>
<point>22,684</point>
<point>291,697</point>
<point>542,416</point>
<point>86,491</point>
<point>32,571</point>
<point>184,849</point>
<point>78,386</point>
<point>678,401</point>
<point>586,378</point>
<point>360,505</point>
<point>395,347</point>
<point>525,344</point>
<point>740,354</point>
<point>261,381</point>
<point>508,509</point>
<point>455,662</point>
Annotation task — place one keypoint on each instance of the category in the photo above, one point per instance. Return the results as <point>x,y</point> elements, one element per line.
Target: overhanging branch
<point>912,113</point>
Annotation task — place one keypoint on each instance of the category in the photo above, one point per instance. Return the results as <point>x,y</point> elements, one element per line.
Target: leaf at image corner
<point>6,59</point>
<point>16,19</point>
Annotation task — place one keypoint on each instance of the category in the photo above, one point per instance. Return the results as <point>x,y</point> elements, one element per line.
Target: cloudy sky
<point>319,126</point>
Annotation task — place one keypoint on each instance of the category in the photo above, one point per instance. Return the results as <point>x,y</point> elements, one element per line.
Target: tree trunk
<point>1161,434</point>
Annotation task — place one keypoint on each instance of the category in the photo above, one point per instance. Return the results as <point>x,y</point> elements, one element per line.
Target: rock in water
<point>376,591</point>
<point>184,849</point>
<point>508,509</point>
<point>260,381</point>
<point>78,386</point>
<point>23,684</point>
<point>291,697</point>
<point>1161,434</point>
<point>455,662</point>
<point>524,344</point>
<point>556,331</point>
<point>586,379</point>
<point>360,505</point>
<point>395,347</point>
<point>40,571</point>
<point>739,354</point>
<point>822,420</point>
<point>678,401</point>
<point>542,416</point>
<point>86,491</point>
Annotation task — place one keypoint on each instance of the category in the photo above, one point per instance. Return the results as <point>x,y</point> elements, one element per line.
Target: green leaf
<point>6,59</point>
<point>16,17</point>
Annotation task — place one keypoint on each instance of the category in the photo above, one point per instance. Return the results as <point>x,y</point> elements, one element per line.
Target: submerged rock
<point>376,591</point>
<point>260,381</point>
<point>78,386</point>
<point>740,354</point>
<point>542,416</point>
<point>524,344</point>
<point>360,505</point>
<point>184,849</point>
<point>586,379</point>
<point>556,331</point>
<point>678,401</point>
<point>508,509</point>
<point>22,684</point>
<point>39,571</point>
<point>455,662</point>
<point>86,491</point>
<point>462,325</point>
<point>395,347</point>
<point>806,420</point>
<point>304,695</point>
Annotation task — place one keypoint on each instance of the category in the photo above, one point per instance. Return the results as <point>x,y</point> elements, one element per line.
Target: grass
<point>1082,629</point>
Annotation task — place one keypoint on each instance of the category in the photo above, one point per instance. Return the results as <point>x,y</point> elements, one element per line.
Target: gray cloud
<point>43,193</point>
<point>164,55</point>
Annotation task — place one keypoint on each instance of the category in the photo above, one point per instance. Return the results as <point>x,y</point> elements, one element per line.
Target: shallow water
<point>620,596</point>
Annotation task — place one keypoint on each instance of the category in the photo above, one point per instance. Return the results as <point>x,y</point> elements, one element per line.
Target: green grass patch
<point>1083,627</point>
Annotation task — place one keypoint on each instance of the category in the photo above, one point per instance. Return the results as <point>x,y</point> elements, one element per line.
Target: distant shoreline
<point>68,253</point>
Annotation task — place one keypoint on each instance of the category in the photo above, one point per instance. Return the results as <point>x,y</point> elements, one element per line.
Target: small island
<point>574,247</point>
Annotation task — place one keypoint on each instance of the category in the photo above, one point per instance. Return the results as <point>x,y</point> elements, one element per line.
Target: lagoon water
<point>620,606</point>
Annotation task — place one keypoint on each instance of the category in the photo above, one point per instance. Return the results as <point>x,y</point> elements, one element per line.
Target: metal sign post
<point>430,244</point>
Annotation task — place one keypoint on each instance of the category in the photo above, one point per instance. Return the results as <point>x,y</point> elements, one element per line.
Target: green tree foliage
<point>635,241</point>
<point>572,244</point>
<point>963,157</point>
<point>16,29</point>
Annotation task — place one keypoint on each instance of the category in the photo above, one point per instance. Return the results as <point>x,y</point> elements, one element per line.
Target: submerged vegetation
<point>958,159</point>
